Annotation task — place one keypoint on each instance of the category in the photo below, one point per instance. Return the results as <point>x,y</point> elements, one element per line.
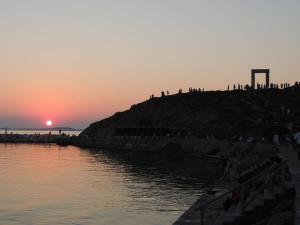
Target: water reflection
<point>180,171</point>
<point>46,184</point>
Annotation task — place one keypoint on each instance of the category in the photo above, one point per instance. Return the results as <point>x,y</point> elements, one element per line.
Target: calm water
<point>47,184</point>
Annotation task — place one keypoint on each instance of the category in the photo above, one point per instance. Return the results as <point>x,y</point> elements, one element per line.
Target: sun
<point>49,123</point>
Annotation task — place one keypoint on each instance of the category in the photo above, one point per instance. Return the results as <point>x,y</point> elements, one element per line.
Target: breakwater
<point>185,145</point>
<point>192,145</point>
<point>36,138</point>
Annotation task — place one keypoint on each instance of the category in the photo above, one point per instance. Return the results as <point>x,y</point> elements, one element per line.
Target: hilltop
<point>220,113</point>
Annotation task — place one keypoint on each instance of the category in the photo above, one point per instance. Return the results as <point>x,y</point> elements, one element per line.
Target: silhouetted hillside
<point>221,113</point>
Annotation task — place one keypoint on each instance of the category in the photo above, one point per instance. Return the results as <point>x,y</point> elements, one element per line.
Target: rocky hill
<point>220,113</point>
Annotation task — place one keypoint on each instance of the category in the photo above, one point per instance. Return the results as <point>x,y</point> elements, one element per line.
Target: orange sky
<point>80,62</point>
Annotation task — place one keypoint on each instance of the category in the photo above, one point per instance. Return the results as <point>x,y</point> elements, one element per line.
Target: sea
<point>45,184</point>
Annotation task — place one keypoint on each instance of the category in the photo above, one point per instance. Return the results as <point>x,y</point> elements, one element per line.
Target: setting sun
<point>49,123</point>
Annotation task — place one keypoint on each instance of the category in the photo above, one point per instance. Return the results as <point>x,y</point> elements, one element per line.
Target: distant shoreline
<point>43,129</point>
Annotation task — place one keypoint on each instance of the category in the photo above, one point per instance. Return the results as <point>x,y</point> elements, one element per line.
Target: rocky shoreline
<point>268,189</point>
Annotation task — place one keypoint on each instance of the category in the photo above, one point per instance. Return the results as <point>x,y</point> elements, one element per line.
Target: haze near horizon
<point>76,62</point>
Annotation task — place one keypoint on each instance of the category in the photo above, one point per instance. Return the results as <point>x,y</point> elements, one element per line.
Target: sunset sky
<point>78,61</point>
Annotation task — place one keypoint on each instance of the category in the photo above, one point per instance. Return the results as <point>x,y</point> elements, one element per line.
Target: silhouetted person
<point>224,163</point>
<point>226,204</point>
<point>276,139</point>
<point>297,141</point>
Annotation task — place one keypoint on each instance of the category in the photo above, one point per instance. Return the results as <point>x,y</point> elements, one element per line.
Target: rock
<point>283,218</point>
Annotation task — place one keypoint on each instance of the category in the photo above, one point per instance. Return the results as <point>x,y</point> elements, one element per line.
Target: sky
<point>78,61</point>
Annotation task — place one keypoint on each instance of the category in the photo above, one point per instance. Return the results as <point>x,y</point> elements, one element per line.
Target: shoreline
<point>273,203</point>
<point>34,138</point>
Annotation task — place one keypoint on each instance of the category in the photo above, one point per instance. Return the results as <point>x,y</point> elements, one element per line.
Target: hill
<point>220,113</point>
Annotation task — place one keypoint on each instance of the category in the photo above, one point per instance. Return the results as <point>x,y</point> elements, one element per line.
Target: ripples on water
<point>47,184</point>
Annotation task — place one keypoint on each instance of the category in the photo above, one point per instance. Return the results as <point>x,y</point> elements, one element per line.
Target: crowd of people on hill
<point>246,87</point>
<point>263,86</point>
<point>180,91</point>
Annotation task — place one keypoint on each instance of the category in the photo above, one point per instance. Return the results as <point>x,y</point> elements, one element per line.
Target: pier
<point>167,144</point>
<point>35,138</point>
